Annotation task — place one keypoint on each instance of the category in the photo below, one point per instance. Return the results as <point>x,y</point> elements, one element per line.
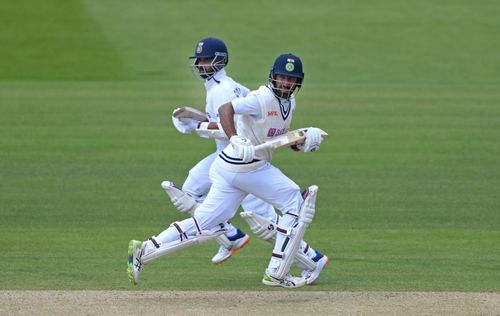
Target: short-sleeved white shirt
<point>221,89</point>
<point>260,117</point>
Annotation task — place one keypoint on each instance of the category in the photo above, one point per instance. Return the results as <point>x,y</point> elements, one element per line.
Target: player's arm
<point>241,145</point>
<point>214,129</point>
<point>226,117</point>
<point>248,106</point>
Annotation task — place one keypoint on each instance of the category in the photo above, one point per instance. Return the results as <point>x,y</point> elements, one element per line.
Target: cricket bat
<point>189,112</point>
<point>288,139</point>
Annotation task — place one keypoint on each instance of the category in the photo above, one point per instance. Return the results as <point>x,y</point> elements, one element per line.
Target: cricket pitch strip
<point>269,302</point>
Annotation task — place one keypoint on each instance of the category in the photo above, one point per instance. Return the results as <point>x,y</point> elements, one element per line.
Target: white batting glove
<point>185,125</point>
<point>243,148</point>
<point>313,139</point>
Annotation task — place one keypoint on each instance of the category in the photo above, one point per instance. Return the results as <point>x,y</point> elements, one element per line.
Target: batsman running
<point>210,59</point>
<point>239,171</point>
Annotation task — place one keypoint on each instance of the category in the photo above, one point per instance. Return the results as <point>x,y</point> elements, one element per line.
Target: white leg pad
<point>304,261</point>
<point>186,204</point>
<point>260,226</point>
<point>266,230</point>
<point>295,234</point>
<point>182,201</point>
<point>183,242</point>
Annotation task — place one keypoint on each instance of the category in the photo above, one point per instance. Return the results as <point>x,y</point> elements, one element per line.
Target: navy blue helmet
<point>214,49</point>
<point>287,65</point>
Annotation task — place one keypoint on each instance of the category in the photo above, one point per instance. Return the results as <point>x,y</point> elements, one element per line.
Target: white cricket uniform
<point>260,117</point>
<point>220,89</point>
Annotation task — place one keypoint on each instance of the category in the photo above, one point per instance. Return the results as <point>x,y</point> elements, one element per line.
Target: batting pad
<point>296,234</point>
<point>183,202</point>
<point>266,230</point>
<point>260,226</point>
<point>171,247</point>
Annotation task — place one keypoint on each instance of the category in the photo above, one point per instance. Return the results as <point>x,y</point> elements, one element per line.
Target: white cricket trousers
<point>228,191</point>
<point>198,184</point>
<point>230,188</point>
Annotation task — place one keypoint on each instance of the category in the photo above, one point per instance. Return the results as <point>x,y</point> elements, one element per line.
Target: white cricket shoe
<point>311,275</point>
<point>289,281</point>
<point>241,239</point>
<point>134,265</point>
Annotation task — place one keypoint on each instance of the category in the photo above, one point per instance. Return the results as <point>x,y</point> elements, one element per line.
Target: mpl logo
<point>272,113</point>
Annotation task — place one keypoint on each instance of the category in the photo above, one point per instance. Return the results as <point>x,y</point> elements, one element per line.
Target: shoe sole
<point>235,250</point>
<point>272,283</point>
<point>269,283</point>
<point>317,276</point>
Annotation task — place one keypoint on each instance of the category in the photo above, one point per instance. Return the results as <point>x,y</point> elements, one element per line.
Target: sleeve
<point>244,91</point>
<point>248,105</point>
<point>221,96</point>
<point>217,98</point>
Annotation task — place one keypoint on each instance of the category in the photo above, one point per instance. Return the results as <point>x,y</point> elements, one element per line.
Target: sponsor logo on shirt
<point>272,113</point>
<point>272,132</point>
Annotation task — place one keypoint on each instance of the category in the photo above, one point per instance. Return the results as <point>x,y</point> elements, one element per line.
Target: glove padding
<point>243,148</point>
<point>313,139</point>
<point>185,125</point>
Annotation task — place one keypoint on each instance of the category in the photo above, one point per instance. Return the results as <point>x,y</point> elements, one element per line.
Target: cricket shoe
<point>289,281</point>
<point>134,265</point>
<point>237,242</point>
<point>311,275</point>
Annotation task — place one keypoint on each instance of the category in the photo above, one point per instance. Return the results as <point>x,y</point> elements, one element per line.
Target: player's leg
<point>240,239</point>
<point>219,206</point>
<point>312,256</point>
<point>271,185</point>
<point>288,240</point>
<point>231,200</point>
<point>193,192</point>
<point>229,243</point>
<point>310,260</point>
<point>177,236</point>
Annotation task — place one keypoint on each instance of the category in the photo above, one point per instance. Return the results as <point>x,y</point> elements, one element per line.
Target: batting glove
<point>243,148</point>
<point>185,125</point>
<point>313,139</point>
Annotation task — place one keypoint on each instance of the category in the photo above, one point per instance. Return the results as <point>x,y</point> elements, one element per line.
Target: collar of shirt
<point>219,75</point>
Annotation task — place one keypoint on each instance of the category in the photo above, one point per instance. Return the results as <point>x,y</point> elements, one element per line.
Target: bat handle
<point>262,146</point>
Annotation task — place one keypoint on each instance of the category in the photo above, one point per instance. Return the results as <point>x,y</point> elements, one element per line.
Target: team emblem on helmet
<point>199,49</point>
<point>289,64</point>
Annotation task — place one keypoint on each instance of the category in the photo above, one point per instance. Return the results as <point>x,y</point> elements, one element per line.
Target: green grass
<point>408,178</point>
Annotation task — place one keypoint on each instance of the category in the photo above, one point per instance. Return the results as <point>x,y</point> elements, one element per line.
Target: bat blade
<point>288,139</point>
<point>189,112</point>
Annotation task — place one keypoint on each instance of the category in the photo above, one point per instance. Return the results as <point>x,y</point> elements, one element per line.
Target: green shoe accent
<point>133,244</point>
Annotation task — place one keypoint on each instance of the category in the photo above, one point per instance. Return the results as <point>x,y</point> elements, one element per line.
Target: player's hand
<point>185,125</point>
<point>313,139</point>
<point>243,148</point>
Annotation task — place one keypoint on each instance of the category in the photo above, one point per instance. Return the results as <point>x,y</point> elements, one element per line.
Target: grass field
<point>409,179</point>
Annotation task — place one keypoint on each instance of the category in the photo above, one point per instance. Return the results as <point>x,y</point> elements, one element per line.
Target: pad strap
<point>153,240</point>
<point>182,232</point>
